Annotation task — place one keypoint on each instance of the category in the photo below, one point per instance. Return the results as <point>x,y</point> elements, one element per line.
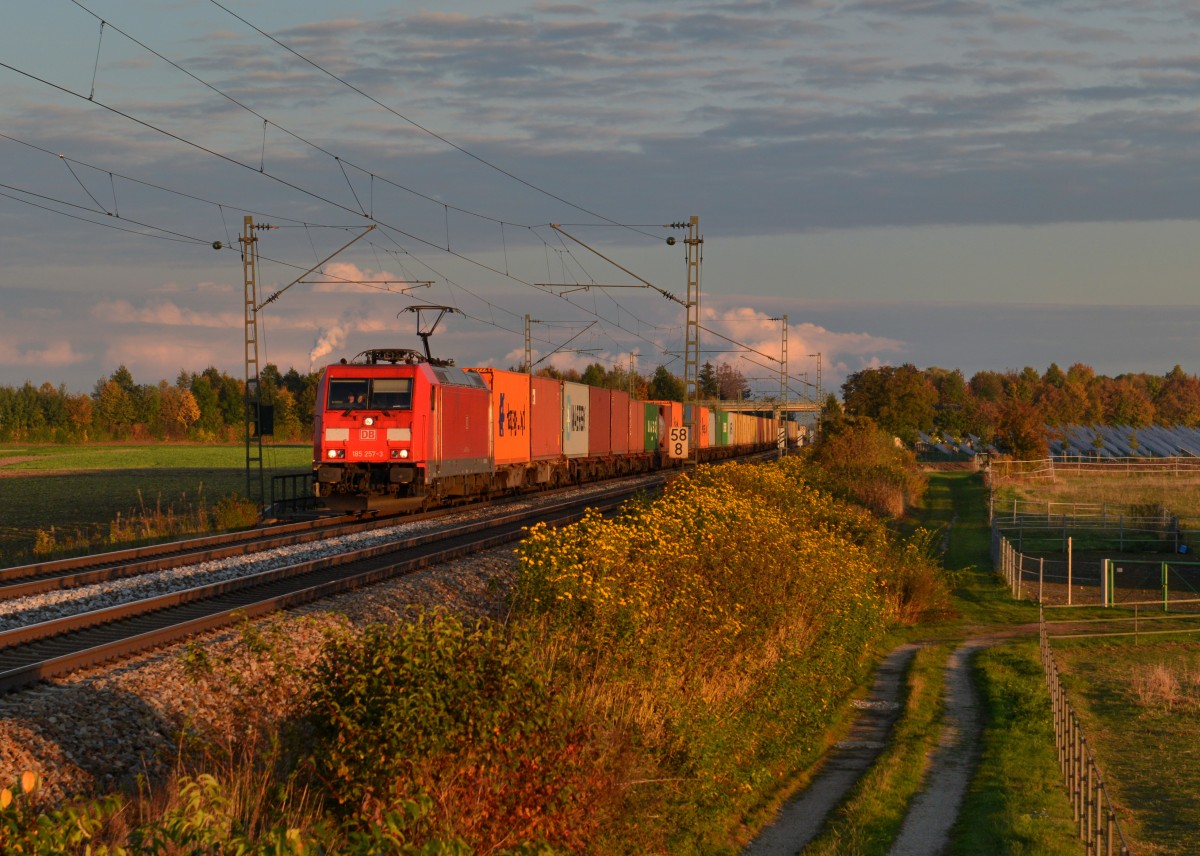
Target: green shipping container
<point>651,423</point>
<point>724,429</point>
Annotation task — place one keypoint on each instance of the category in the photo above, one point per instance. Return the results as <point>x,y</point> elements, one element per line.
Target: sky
<point>973,185</point>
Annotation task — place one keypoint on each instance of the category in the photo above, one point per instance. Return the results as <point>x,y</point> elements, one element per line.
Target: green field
<point>80,491</point>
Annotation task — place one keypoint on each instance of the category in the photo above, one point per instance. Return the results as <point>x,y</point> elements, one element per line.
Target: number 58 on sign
<point>677,443</point>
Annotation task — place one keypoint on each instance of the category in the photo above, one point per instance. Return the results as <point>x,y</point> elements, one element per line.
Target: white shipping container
<point>576,413</point>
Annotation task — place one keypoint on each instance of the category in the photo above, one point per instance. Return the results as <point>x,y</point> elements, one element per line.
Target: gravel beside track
<point>100,729</point>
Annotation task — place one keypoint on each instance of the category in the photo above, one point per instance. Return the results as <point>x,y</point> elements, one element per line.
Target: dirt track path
<point>801,819</point>
<point>933,811</point>
<point>926,829</point>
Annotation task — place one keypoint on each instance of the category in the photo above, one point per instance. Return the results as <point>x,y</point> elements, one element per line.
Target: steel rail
<point>26,580</point>
<point>54,648</point>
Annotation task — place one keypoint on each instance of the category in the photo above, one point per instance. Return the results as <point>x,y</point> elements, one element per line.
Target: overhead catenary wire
<point>323,150</point>
<point>360,212</point>
<point>415,124</point>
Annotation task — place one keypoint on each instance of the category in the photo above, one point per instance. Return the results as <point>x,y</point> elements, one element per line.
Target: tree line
<point>210,406</point>
<point>207,406</point>
<point>1016,411</point>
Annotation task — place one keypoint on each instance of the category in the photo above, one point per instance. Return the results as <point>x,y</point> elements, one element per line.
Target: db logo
<point>366,434</point>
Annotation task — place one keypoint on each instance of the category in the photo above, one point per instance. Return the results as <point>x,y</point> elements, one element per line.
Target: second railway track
<point>51,648</point>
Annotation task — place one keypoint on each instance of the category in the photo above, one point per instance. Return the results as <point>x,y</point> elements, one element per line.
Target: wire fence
<point>1153,590</point>
<point>1096,553</point>
<point>1094,813</point>
<point>1047,468</point>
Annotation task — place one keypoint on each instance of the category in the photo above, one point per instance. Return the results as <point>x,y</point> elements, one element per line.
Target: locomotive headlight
<point>369,421</point>
<point>337,453</point>
<point>404,453</point>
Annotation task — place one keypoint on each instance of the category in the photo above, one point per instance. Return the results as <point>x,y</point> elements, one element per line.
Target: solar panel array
<point>1125,441</point>
<point>1090,441</point>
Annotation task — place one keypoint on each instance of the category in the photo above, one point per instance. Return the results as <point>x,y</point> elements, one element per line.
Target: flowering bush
<point>718,627</point>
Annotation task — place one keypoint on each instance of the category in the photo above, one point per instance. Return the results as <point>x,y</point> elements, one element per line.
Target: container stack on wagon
<point>394,426</point>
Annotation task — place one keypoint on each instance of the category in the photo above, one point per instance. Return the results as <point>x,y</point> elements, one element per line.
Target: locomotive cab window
<point>347,393</point>
<point>391,393</point>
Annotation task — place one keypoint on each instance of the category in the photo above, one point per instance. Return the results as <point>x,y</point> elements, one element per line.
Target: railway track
<point>51,648</point>
<point>25,580</point>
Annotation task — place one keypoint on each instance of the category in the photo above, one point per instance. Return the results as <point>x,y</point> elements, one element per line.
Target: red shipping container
<point>700,438</point>
<point>637,427</point>
<point>545,423</point>
<point>600,433</point>
<point>619,422</point>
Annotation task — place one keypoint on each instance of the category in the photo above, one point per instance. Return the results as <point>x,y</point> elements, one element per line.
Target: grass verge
<point>1139,706</point>
<point>1016,803</point>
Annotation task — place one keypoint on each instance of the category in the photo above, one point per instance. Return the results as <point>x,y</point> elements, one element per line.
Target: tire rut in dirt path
<point>801,819</point>
<point>934,810</point>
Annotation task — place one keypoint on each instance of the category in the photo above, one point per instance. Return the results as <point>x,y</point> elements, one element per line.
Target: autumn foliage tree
<point>1015,409</point>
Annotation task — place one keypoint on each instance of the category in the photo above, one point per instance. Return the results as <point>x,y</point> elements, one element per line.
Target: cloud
<point>164,313</point>
<point>752,342</point>
<point>50,355</point>
<point>347,277</point>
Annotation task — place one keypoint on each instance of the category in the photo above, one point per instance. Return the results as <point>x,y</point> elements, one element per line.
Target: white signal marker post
<point>677,445</point>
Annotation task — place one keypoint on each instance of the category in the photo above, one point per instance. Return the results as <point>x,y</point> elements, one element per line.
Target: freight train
<point>396,429</point>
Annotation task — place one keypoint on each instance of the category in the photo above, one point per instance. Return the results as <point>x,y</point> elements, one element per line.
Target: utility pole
<point>691,363</point>
<point>254,486</point>
<point>259,418</point>
<point>529,344</point>
<point>818,377</point>
<point>783,387</point>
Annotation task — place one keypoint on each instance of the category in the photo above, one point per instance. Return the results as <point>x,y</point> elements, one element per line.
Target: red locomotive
<point>395,428</point>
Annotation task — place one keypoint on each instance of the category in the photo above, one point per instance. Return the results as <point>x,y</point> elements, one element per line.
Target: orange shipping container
<point>510,415</point>
<point>701,439</point>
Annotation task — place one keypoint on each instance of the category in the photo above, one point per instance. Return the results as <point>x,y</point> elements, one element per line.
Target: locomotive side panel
<point>576,407</point>
<point>463,429</point>
<point>545,410</point>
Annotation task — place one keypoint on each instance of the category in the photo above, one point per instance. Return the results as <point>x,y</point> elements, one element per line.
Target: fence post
<point>1041,576</point>
<point>1166,599</point>
<point>1070,558</point>
<point>1077,773</point>
<point>1088,801</point>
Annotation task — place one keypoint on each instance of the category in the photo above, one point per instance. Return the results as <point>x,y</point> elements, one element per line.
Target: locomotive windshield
<point>391,393</point>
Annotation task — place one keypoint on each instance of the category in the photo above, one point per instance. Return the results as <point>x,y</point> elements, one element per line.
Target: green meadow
<point>72,498</point>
